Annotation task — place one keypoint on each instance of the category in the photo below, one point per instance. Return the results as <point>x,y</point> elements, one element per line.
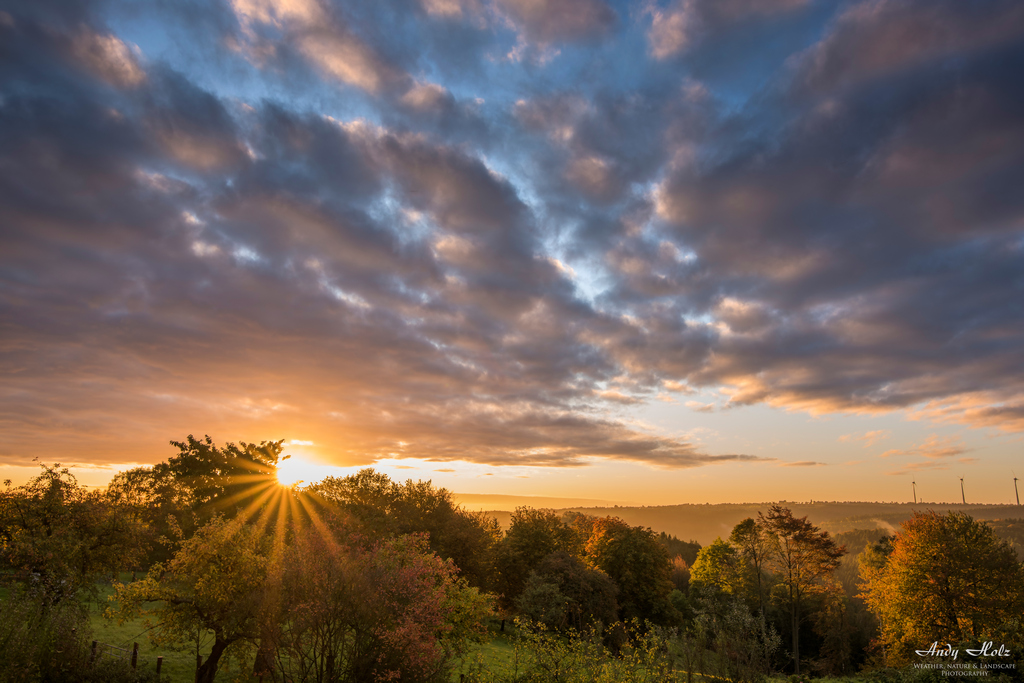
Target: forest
<point>360,578</point>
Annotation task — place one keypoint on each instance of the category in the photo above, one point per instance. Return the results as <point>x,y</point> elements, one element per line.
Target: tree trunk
<point>796,638</point>
<point>266,654</point>
<point>208,670</point>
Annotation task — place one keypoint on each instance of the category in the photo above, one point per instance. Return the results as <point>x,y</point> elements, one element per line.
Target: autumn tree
<point>352,612</point>
<point>804,559</point>
<point>943,578</point>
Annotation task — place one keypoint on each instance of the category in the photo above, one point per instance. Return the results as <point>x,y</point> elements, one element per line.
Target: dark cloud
<point>903,35</point>
<point>681,24</point>
<point>548,21</point>
<point>415,258</point>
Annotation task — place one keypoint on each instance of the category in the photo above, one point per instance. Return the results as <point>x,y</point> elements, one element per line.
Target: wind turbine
<point>962,497</point>
<point>914,483</point>
<point>1015,489</point>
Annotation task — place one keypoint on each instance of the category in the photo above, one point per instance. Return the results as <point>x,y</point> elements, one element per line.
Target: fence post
<point>159,664</point>
<point>135,654</point>
<point>92,654</point>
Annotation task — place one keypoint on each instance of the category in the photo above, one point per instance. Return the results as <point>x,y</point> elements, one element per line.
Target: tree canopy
<point>944,578</point>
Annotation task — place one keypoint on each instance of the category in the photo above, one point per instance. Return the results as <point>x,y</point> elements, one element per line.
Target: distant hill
<point>494,501</point>
<point>703,523</point>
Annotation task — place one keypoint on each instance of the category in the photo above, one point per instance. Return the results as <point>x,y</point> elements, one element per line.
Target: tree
<point>804,558</point>
<point>532,536</point>
<point>685,549</point>
<point>64,535</point>
<point>637,563</point>
<point>717,566</point>
<point>390,611</point>
<point>383,508</point>
<point>562,592</point>
<point>214,582</point>
<point>943,578</point>
<point>201,481</point>
<point>754,547</point>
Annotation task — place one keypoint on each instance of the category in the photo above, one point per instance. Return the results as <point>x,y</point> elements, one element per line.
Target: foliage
<point>383,508</point>
<point>563,593</point>
<point>46,642</point>
<point>213,583</point>
<point>394,611</point>
<point>755,546</point>
<point>723,639</point>
<point>639,566</point>
<point>804,558</point>
<point>685,549</point>
<point>680,574</point>
<point>944,578</point>
<point>532,536</point>
<point>718,567</point>
<point>542,656</point>
<point>63,535</point>
<point>184,492</point>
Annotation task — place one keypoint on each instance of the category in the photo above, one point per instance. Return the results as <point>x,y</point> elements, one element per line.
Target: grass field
<point>179,666</point>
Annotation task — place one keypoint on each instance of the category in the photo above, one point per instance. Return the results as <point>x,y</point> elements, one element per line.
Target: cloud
<point>679,26</point>
<point>869,438</point>
<point>935,449</point>
<point>107,57</point>
<point>550,21</point>
<point>349,223</point>
<point>802,463</point>
<point>904,34</point>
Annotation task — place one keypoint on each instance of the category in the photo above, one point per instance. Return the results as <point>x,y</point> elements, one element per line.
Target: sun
<point>292,471</point>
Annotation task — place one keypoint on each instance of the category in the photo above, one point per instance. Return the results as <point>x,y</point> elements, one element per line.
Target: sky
<point>649,252</point>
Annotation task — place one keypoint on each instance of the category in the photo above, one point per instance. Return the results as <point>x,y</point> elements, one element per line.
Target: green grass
<point>178,666</point>
<point>494,656</point>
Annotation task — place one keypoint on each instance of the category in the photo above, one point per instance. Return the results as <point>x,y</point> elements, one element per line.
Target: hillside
<point>703,523</point>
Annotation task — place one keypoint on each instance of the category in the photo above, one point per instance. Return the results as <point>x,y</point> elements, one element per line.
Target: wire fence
<point>100,650</point>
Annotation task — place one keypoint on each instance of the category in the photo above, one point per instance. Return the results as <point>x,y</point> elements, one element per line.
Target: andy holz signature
<point>987,649</point>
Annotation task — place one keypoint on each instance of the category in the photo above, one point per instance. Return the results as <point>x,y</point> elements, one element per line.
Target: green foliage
<point>542,656</point>
<point>383,508</point>
<point>63,535</point>
<point>213,583</point>
<point>49,643</point>
<point>203,480</point>
<point>639,566</point>
<point>723,639</point>
<point>562,592</point>
<point>717,567</point>
<point>532,536</point>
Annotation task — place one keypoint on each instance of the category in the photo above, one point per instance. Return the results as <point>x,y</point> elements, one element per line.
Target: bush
<point>42,642</point>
